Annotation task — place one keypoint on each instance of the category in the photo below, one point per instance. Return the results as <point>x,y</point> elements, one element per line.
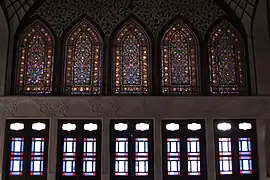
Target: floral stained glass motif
<point>35,60</point>
<point>83,60</point>
<point>180,61</point>
<point>131,61</point>
<point>226,60</point>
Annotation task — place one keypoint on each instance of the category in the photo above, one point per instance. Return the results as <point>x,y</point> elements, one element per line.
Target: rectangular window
<point>79,149</point>
<point>225,155</point>
<point>132,149</point>
<point>121,157</point>
<point>245,155</point>
<point>173,156</point>
<point>193,154</point>
<point>37,156</point>
<point>184,149</point>
<point>27,148</point>
<point>16,156</point>
<point>69,157</point>
<point>236,149</point>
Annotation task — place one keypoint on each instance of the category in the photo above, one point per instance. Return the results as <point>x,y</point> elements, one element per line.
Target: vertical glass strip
<point>16,156</point>
<point>37,157</point>
<point>193,153</point>
<point>173,156</point>
<point>89,156</point>
<point>245,158</point>
<point>121,157</point>
<point>141,156</point>
<point>225,155</point>
<point>69,157</point>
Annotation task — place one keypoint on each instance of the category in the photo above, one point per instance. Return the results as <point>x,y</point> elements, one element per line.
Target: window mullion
<point>79,151</point>
<point>131,153</point>
<point>235,163</point>
<point>27,150</point>
<point>184,159</point>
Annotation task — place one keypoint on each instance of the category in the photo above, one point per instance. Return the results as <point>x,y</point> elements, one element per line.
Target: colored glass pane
<point>173,156</point>
<point>245,155</point>
<point>141,156</point>
<point>69,157</point>
<point>193,153</point>
<point>121,157</point>
<point>180,60</point>
<point>16,156</point>
<point>35,60</point>
<point>226,60</point>
<point>83,60</point>
<point>89,156</point>
<point>131,61</point>
<point>225,155</point>
<point>37,157</point>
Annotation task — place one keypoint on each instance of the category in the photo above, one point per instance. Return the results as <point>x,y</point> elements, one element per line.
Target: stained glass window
<point>180,60</point>
<point>245,155</point>
<point>37,156</point>
<point>36,55</point>
<point>121,157</point>
<point>193,154</point>
<point>184,151</point>
<point>69,157</point>
<point>79,149</point>
<point>235,149</point>
<point>173,156</point>
<point>131,60</point>
<point>132,149</point>
<point>89,156</point>
<point>227,61</point>
<point>225,155</point>
<point>83,60</point>
<point>27,148</point>
<point>16,156</point>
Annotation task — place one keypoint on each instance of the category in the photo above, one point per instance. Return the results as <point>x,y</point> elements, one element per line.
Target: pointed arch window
<point>180,61</point>
<point>36,53</point>
<point>83,60</point>
<point>131,50</point>
<point>226,51</point>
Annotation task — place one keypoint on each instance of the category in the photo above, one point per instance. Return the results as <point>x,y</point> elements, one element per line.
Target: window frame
<point>184,133</point>
<point>131,134</point>
<point>114,45</point>
<point>195,90</point>
<point>18,89</point>
<point>66,43</point>
<point>79,134</point>
<point>234,134</point>
<point>27,133</point>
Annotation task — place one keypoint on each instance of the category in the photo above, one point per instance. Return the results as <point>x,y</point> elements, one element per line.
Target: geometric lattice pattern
<point>242,7</point>
<point>16,9</point>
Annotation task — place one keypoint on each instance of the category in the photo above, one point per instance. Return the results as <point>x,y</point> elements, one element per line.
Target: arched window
<point>227,61</point>
<point>83,60</point>
<point>35,60</point>
<point>131,50</point>
<point>180,61</point>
